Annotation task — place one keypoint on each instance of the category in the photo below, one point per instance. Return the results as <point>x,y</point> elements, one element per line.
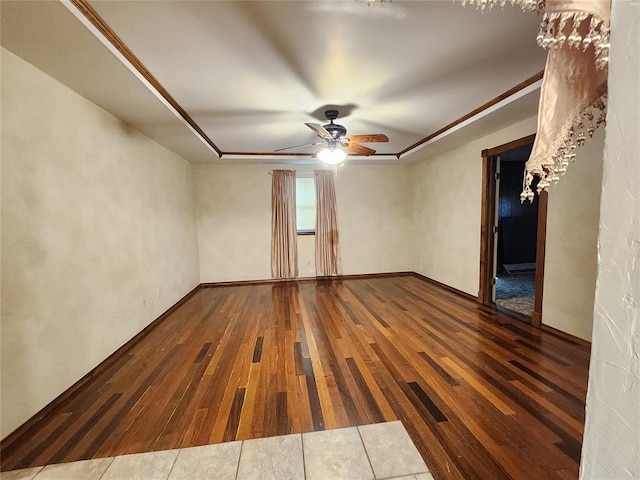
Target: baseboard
<point>50,408</point>
<point>586,344</point>
<point>536,319</point>
<point>503,311</point>
<point>354,276</point>
<point>445,286</point>
<point>111,359</point>
<point>239,283</point>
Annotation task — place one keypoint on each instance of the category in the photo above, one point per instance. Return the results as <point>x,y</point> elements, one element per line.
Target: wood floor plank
<point>479,386</point>
<point>481,395</point>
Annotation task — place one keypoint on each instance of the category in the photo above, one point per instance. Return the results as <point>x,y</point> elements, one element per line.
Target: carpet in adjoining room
<point>516,292</point>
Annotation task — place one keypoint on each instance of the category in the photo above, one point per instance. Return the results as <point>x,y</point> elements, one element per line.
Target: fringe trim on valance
<point>552,164</point>
<point>563,28</point>
<point>526,5</point>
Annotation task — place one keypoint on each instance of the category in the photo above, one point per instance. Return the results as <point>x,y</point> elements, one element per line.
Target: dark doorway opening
<point>517,235</point>
<point>509,241</point>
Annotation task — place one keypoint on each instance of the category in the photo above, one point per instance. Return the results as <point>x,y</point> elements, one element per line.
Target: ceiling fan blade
<point>376,137</point>
<point>298,146</point>
<point>319,129</point>
<point>359,149</point>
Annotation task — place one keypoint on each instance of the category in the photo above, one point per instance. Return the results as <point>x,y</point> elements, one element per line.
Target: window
<point>305,205</point>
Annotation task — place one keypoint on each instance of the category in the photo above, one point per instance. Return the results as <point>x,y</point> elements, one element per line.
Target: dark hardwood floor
<point>482,396</point>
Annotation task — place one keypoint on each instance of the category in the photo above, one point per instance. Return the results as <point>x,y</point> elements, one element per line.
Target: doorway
<point>515,259</point>
<point>512,235</point>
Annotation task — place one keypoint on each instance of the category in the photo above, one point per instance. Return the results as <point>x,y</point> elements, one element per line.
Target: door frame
<point>488,220</point>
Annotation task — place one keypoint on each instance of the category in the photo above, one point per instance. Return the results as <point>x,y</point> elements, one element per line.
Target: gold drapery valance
<point>574,88</point>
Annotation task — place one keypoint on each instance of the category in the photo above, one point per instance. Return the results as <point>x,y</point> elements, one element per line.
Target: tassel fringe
<point>582,123</point>
<point>563,29</point>
<point>526,5</point>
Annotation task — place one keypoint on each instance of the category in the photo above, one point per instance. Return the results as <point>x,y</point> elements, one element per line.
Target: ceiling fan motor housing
<point>334,129</point>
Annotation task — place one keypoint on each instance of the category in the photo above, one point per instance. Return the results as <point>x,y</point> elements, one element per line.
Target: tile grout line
<point>38,472</point>
<point>105,470</point>
<point>304,465</point>
<point>175,460</point>
<point>366,453</point>
<point>239,457</point>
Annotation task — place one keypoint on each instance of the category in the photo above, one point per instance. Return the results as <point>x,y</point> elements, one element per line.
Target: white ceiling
<point>250,73</point>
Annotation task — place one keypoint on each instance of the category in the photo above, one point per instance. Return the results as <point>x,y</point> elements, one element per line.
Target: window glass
<point>306,204</point>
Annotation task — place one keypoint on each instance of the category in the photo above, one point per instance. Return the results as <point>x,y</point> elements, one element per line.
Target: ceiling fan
<point>336,143</point>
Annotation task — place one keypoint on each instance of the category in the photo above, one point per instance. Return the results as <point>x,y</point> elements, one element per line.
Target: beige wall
<point>233,209</point>
<point>98,237</point>
<point>375,218</point>
<point>572,237</point>
<point>447,198</point>
<point>233,205</point>
<point>611,446</point>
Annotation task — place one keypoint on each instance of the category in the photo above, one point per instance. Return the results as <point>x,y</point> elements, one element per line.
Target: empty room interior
<point>286,240</point>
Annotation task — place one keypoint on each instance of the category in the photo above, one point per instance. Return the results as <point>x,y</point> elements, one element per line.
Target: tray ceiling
<point>248,74</point>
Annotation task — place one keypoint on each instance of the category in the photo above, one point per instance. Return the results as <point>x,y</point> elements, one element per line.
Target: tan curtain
<point>328,261</point>
<point>574,87</point>
<point>284,242</point>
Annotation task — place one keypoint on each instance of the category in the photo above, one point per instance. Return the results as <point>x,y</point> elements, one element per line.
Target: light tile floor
<point>370,452</point>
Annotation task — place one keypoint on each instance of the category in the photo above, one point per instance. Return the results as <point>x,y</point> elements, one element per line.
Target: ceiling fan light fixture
<point>332,156</point>
<point>336,143</point>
